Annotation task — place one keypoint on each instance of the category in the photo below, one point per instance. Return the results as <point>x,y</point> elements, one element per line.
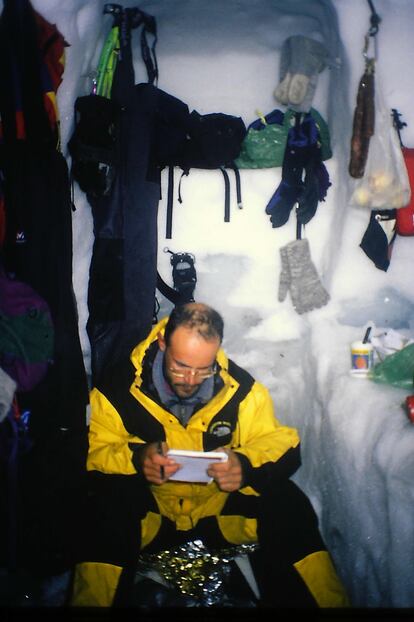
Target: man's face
<point>189,360</point>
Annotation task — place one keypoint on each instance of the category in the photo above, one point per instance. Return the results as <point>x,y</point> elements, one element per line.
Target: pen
<point>161,454</point>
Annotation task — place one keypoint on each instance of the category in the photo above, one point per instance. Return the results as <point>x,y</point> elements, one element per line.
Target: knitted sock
<point>284,279</point>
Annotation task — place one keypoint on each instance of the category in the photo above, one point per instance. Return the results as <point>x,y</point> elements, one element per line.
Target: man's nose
<point>191,378</point>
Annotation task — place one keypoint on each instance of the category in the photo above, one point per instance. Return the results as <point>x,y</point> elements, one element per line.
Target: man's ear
<point>161,342</point>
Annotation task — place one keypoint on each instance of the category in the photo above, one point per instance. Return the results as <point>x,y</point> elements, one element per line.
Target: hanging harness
<point>184,278</point>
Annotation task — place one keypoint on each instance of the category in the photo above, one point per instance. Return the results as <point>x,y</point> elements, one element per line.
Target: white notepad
<point>194,464</point>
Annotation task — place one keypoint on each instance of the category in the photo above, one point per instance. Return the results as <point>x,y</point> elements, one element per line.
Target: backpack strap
<point>170,196</point>
<point>126,19</point>
<point>148,55</point>
<point>226,194</point>
<point>170,201</point>
<point>238,184</point>
<point>227,190</point>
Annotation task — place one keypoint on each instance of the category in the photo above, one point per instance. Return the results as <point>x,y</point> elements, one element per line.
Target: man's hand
<point>156,466</point>
<point>228,475</point>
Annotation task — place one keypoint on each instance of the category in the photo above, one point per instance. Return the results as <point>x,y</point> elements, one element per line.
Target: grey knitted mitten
<point>299,276</point>
<point>284,279</point>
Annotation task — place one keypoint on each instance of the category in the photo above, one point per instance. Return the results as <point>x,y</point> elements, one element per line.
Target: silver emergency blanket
<point>195,570</point>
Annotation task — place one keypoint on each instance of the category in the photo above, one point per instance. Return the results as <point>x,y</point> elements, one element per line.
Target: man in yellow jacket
<point>180,391</point>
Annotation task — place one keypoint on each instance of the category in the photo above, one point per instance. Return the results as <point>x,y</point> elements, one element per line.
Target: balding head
<point>196,316</point>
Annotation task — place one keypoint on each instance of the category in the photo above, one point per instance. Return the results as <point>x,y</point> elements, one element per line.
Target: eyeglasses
<point>194,373</point>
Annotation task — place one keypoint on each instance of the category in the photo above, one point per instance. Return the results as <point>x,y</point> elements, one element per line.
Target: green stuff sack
<point>265,142</point>
<point>265,148</point>
<point>396,369</point>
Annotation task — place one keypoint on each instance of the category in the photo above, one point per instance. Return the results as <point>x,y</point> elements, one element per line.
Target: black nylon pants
<point>287,532</point>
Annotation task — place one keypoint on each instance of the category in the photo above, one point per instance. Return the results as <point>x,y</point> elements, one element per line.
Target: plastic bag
<point>396,369</point>
<point>385,183</point>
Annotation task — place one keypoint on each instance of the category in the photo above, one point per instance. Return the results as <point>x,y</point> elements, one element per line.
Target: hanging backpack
<point>210,141</point>
<point>214,140</point>
<point>93,145</point>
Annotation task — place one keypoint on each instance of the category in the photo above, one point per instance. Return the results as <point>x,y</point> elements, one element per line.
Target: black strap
<point>167,291</point>
<point>298,227</point>
<point>226,195</point>
<point>170,201</point>
<point>185,172</point>
<point>170,197</point>
<point>128,19</point>
<point>238,186</point>
<point>148,56</point>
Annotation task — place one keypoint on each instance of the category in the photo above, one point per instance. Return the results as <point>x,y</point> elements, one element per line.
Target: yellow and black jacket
<point>125,414</point>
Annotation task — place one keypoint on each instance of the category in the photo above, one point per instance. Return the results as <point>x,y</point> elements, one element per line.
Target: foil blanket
<point>195,570</point>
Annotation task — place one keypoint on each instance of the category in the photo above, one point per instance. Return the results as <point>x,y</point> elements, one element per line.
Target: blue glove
<point>282,201</point>
<point>301,150</point>
<point>314,190</point>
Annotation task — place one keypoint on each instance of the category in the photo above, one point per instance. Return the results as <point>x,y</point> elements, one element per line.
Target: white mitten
<point>301,61</point>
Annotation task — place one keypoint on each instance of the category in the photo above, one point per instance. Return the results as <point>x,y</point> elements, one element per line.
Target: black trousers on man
<point>287,532</point>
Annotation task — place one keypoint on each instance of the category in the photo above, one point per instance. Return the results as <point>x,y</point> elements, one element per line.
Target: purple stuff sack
<point>26,333</point>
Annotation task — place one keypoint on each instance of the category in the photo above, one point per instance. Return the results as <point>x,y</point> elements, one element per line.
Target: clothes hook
<point>375,20</point>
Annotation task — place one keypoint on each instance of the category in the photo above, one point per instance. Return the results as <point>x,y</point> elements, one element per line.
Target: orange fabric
<point>405,215</point>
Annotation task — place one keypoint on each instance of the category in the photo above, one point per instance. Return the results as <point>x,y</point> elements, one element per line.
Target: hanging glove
<point>294,159</point>
<point>314,190</point>
<point>301,60</point>
<point>309,197</point>
<point>302,153</point>
<point>324,183</point>
<point>285,196</point>
<point>299,276</point>
<point>284,279</point>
